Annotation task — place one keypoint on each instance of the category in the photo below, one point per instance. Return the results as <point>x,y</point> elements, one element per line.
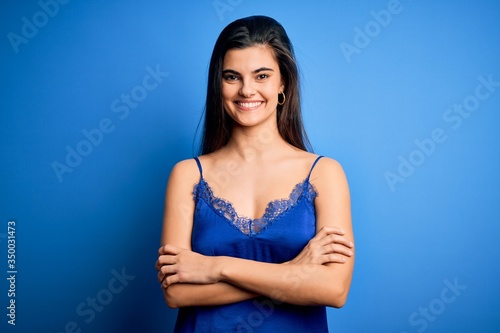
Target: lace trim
<point>274,210</point>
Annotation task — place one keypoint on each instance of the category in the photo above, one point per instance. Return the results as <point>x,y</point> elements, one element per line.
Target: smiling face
<point>251,82</point>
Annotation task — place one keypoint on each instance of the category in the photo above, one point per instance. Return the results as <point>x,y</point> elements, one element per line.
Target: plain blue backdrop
<point>100,99</point>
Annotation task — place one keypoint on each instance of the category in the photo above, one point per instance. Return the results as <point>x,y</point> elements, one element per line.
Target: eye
<point>262,76</point>
<point>230,77</point>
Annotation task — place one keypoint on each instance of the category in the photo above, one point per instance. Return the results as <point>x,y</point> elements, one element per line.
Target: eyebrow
<point>258,70</point>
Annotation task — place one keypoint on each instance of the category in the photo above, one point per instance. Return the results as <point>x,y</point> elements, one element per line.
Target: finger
<point>344,241</point>
<point>325,232</point>
<point>337,240</point>
<point>168,249</point>
<point>170,280</point>
<point>332,230</point>
<point>164,271</point>
<point>161,276</point>
<point>328,231</point>
<point>165,260</point>
<point>335,258</point>
<point>158,265</point>
<point>339,249</point>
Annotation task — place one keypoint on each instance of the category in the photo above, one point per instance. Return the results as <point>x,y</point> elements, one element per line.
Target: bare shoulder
<point>327,166</point>
<point>184,173</point>
<point>186,166</point>
<point>328,173</point>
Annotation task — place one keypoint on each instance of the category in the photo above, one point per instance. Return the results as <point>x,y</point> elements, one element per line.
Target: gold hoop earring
<point>284,98</point>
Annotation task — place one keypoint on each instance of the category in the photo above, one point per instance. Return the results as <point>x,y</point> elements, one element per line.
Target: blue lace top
<point>282,232</point>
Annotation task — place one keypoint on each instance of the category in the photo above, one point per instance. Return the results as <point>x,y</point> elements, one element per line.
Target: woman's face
<point>251,82</point>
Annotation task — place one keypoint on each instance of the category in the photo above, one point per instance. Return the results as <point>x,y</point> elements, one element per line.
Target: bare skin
<point>322,272</point>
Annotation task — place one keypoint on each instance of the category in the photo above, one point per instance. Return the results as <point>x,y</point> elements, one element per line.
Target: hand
<point>328,246</point>
<point>176,265</point>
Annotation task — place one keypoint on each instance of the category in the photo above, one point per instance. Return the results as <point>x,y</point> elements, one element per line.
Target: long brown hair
<point>242,33</point>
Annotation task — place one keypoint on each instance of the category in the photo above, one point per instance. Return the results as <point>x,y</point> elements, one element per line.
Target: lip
<point>248,105</point>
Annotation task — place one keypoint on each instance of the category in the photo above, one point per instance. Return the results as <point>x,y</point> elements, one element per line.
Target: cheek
<point>271,94</point>
<point>272,90</point>
<point>228,91</point>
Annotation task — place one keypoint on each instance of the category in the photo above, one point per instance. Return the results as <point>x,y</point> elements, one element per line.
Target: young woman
<point>257,233</point>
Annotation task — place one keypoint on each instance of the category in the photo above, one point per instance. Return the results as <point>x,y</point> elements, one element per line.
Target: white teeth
<point>250,105</point>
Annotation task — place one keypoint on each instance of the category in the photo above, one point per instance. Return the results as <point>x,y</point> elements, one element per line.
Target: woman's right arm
<point>177,229</point>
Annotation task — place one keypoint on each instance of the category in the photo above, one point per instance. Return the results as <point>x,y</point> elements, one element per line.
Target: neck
<point>255,143</point>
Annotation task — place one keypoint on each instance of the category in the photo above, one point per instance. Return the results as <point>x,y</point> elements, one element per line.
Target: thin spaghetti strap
<point>199,166</point>
<point>312,167</point>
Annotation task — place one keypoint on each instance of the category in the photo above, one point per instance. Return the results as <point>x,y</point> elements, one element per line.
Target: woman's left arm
<point>293,282</point>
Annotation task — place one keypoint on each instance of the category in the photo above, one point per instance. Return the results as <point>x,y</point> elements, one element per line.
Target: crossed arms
<point>319,275</point>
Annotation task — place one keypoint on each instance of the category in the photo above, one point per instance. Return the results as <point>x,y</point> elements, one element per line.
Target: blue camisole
<point>283,231</point>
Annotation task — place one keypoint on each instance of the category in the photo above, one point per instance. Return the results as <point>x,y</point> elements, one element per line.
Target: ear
<point>282,86</point>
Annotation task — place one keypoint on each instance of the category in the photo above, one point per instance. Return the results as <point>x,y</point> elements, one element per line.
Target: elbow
<point>338,296</point>
<point>171,298</point>
<point>339,301</point>
<point>171,303</point>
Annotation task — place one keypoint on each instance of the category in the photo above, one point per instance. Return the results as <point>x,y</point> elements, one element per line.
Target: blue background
<point>414,238</point>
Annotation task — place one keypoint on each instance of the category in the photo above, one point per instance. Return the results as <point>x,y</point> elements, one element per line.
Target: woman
<point>235,257</point>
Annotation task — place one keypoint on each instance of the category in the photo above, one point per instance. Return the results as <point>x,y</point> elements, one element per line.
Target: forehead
<point>250,58</point>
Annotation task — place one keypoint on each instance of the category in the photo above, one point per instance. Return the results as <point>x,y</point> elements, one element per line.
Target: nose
<point>247,89</point>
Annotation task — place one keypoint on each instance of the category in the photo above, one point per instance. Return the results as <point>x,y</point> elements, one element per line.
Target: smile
<point>249,105</point>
